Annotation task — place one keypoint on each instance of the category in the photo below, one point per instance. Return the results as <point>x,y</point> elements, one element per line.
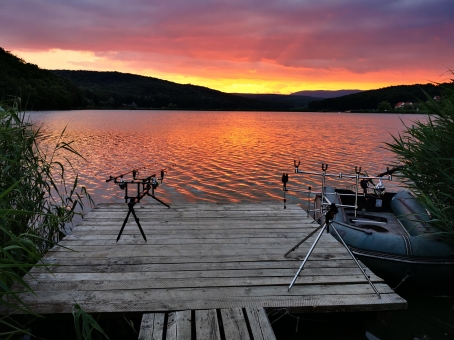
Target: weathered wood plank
<point>285,241</point>
<point>152,326</point>
<point>151,241</point>
<point>168,283</point>
<point>312,274</point>
<point>303,304</point>
<point>213,258</point>
<point>234,324</point>
<point>143,249</point>
<point>207,326</point>
<point>186,234</point>
<point>112,267</point>
<point>179,325</point>
<point>259,323</point>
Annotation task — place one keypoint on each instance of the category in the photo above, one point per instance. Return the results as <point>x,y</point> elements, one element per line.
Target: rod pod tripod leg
<point>131,205</point>
<point>308,253</point>
<point>302,241</point>
<point>325,226</point>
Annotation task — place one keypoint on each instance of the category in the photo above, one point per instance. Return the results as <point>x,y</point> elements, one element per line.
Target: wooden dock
<point>250,323</point>
<point>201,257</point>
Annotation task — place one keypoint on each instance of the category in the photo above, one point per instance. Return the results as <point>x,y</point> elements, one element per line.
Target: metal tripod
<point>328,218</point>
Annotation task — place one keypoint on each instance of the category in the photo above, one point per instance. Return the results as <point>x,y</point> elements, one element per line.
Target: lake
<point>240,157</point>
<point>221,156</point>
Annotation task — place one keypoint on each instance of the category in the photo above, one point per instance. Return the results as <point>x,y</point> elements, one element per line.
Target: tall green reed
<point>36,203</point>
<point>426,151</point>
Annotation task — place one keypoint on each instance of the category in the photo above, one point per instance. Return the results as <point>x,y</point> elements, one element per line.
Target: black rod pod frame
<point>143,188</point>
<point>330,210</point>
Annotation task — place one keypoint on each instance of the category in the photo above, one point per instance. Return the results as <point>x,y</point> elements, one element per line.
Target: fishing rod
<point>135,172</point>
<point>389,172</point>
<point>360,181</point>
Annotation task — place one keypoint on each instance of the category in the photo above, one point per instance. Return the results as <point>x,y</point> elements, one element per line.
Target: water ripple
<point>221,156</point>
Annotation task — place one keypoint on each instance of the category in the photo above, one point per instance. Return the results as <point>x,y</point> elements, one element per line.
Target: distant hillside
<point>325,94</point>
<point>297,102</point>
<point>39,89</point>
<point>60,89</point>
<point>115,89</point>
<point>369,100</point>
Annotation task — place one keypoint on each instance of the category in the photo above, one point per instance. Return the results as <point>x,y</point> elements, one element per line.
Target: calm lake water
<point>221,156</point>
<point>240,157</point>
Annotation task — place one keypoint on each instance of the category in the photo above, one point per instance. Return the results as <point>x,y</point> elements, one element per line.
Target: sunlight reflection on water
<point>222,156</point>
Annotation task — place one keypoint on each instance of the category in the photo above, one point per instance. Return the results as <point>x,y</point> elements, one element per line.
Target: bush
<point>36,202</point>
<point>426,149</point>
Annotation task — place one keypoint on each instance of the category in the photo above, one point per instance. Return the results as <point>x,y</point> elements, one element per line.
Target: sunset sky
<point>254,46</point>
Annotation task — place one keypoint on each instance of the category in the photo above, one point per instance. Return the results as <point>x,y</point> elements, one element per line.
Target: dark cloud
<point>360,36</point>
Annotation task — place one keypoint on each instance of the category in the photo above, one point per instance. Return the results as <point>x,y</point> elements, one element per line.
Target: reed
<point>426,151</point>
<point>36,202</point>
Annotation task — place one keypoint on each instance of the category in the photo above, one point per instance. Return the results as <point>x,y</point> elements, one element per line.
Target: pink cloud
<point>229,38</point>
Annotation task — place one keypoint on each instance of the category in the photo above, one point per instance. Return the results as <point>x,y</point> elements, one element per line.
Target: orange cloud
<point>248,46</point>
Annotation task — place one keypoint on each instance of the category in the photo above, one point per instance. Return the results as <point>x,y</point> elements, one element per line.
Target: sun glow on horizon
<point>268,78</point>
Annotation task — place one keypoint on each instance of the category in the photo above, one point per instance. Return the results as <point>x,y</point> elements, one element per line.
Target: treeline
<point>291,102</point>
<point>61,89</point>
<point>115,89</point>
<point>371,100</point>
<point>38,89</point>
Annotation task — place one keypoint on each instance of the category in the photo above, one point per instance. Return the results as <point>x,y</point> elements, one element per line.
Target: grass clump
<point>36,202</point>
<point>426,151</point>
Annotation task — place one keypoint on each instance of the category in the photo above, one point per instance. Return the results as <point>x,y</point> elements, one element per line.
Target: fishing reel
<point>379,189</point>
<point>122,183</point>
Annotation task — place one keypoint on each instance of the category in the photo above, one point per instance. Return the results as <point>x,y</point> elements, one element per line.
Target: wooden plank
<point>186,234</point>
<point>328,273</point>
<point>301,304</point>
<point>99,285</point>
<point>283,242</point>
<point>260,324</point>
<point>230,224</point>
<point>207,326</point>
<point>213,258</point>
<point>179,325</point>
<point>90,267</point>
<point>201,250</point>
<point>196,242</point>
<point>234,324</point>
<point>152,326</point>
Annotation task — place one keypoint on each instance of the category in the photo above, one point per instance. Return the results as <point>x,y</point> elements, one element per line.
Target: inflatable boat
<point>391,234</point>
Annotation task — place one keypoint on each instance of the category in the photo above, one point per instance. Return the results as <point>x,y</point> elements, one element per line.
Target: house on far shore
<point>406,105</point>
<point>401,105</point>
<point>133,105</point>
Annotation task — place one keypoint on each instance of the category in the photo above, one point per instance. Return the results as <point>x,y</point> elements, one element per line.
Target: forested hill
<point>370,100</point>
<point>59,90</point>
<point>116,89</point>
<point>38,89</point>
